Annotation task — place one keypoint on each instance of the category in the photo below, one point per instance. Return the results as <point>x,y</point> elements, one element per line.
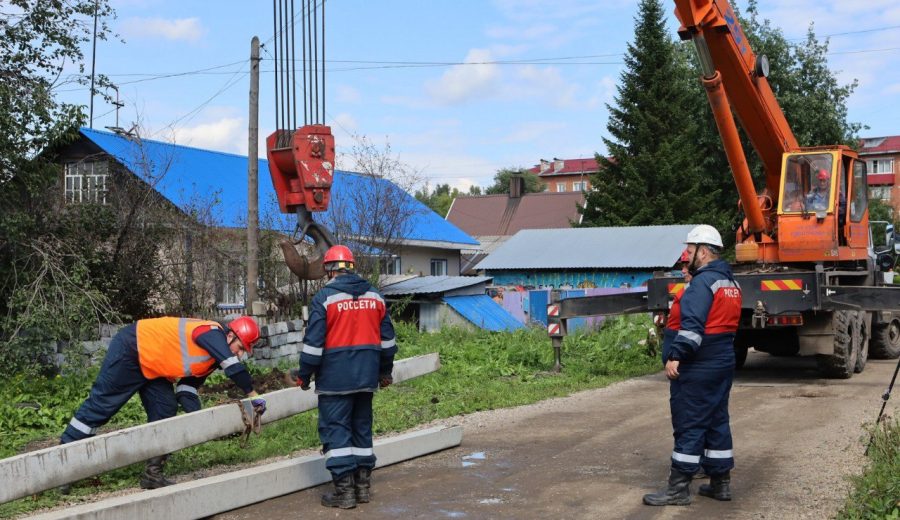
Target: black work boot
<point>677,494</point>
<point>719,487</point>
<point>363,478</point>
<point>344,495</point>
<point>153,477</point>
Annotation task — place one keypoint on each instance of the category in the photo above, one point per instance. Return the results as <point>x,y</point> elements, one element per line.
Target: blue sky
<point>451,123</point>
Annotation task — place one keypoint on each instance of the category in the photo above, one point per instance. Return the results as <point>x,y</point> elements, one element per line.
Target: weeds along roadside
<point>480,370</point>
<point>876,491</point>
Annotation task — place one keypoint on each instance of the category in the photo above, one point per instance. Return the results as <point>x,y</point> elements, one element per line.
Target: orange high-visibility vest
<point>166,348</point>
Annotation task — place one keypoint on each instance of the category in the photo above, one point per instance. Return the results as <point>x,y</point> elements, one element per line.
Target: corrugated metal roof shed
<point>184,172</point>
<point>484,312</point>
<point>637,247</point>
<point>433,284</point>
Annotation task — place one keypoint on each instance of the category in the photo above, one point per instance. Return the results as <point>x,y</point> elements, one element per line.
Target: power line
<point>847,33</point>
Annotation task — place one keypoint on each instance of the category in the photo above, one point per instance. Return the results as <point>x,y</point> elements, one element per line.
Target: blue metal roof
<point>484,312</point>
<point>182,173</point>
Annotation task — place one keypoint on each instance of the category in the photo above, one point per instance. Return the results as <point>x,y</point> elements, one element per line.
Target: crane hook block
<point>301,163</point>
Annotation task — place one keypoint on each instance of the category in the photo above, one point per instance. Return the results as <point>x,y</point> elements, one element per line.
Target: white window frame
<point>579,186</point>
<point>390,265</point>
<point>880,193</point>
<point>885,165</point>
<point>560,187</point>
<point>86,182</point>
<point>441,265</point>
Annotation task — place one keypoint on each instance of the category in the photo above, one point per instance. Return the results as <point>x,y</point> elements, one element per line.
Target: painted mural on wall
<point>570,279</point>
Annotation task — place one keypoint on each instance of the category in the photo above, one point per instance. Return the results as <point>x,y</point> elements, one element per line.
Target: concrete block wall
<point>280,343</point>
<point>91,352</point>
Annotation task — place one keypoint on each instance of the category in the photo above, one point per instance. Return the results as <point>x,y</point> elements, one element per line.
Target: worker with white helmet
<point>700,367</point>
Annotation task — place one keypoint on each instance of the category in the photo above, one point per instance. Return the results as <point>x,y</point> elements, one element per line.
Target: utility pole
<point>94,61</point>
<point>253,180</point>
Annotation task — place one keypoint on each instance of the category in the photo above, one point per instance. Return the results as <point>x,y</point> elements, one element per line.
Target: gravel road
<point>595,453</point>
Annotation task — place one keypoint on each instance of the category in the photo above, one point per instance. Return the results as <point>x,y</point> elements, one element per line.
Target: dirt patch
<point>262,383</point>
<point>810,394</point>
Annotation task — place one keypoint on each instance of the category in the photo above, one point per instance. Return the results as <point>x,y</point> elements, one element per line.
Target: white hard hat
<point>704,234</point>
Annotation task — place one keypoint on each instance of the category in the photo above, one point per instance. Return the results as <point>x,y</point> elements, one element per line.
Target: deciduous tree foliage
<point>501,181</point>
<point>441,198</point>
<point>46,287</point>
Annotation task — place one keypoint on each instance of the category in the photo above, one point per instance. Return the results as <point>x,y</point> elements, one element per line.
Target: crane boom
<point>779,223</point>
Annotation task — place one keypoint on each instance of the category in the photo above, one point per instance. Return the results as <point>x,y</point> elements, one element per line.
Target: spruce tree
<point>652,173</point>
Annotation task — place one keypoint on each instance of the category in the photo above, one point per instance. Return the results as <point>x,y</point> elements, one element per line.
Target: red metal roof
<point>874,145</point>
<point>493,215</point>
<point>569,167</point>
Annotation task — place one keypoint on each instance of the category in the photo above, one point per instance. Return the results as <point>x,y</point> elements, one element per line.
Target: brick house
<point>566,175</point>
<point>881,155</point>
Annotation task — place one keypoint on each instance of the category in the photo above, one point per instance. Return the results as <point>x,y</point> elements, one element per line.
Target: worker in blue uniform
<point>700,366</point>
<point>348,348</point>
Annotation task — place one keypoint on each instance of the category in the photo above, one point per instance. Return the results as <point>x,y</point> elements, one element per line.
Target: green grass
<point>479,371</point>
<point>876,492</point>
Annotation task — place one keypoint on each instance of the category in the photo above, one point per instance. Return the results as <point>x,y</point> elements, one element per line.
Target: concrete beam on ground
<point>208,496</point>
<point>33,472</point>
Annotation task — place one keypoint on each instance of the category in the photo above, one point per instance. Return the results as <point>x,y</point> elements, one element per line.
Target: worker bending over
<point>147,358</point>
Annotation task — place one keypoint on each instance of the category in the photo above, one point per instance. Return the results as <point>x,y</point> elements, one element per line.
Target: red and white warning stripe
<point>553,310</point>
<point>553,328</point>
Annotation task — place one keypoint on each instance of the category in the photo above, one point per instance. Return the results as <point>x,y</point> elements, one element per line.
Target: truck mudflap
<point>855,298</point>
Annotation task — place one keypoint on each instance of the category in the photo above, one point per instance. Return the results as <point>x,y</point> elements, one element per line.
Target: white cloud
<point>604,92</point>
<point>344,126</point>
<point>225,135</point>
<point>348,94</point>
<point>532,132</point>
<point>185,29</point>
<point>531,32</point>
<point>464,82</point>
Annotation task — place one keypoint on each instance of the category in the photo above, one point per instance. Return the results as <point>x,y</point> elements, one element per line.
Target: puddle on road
<point>452,514</point>
<point>467,459</point>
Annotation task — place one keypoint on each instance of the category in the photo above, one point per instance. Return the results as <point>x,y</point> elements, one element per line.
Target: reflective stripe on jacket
<point>166,348</point>
<point>710,311</point>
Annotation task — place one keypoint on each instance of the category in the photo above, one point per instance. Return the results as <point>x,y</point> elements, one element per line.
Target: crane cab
<point>822,210</point>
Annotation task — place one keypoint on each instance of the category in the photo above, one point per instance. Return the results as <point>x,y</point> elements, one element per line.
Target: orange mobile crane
<point>811,280</point>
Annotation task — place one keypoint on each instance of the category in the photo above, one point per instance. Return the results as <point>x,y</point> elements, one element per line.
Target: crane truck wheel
<point>886,340</point>
<point>842,363</point>
<point>864,320</point>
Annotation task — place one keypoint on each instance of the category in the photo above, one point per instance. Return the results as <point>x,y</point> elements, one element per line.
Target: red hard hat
<point>338,254</point>
<point>823,175</point>
<point>246,329</point>
<point>685,256</point>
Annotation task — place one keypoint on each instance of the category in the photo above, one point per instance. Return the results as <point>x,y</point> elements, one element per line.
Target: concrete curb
<point>208,496</point>
<point>40,470</point>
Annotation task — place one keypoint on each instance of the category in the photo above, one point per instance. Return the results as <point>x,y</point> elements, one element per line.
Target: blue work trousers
<point>699,403</point>
<point>120,378</point>
<point>345,429</point>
